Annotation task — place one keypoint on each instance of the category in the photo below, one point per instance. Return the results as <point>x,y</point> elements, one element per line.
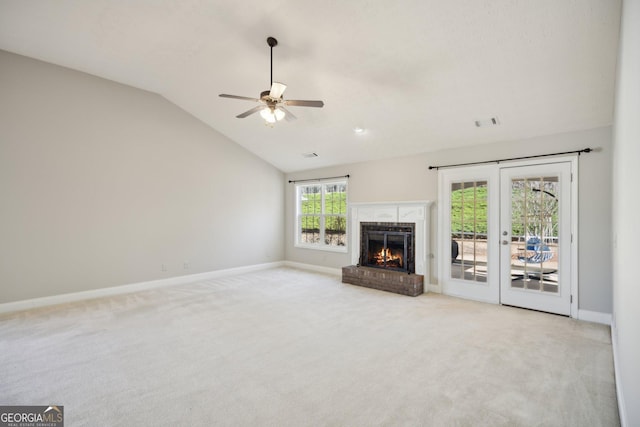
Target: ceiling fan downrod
<point>271,41</point>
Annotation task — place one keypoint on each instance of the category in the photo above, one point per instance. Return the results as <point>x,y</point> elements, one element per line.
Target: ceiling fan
<point>272,104</point>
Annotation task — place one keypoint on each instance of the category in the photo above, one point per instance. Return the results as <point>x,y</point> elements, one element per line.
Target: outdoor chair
<point>535,252</point>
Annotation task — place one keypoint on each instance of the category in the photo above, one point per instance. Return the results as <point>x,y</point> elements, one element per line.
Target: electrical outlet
<point>186,265</point>
<point>164,267</point>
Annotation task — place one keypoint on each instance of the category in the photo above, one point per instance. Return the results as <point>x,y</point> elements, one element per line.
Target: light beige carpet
<point>285,347</point>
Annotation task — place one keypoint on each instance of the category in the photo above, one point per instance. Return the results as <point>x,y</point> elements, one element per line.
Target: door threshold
<point>539,311</point>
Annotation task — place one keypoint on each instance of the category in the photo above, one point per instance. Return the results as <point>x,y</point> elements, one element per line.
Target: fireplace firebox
<point>388,246</point>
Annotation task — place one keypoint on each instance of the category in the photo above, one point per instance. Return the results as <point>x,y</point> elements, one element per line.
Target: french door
<point>468,222</point>
<point>535,237</point>
<point>510,230</point>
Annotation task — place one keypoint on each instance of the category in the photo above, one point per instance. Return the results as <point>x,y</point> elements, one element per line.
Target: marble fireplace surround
<point>416,212</point>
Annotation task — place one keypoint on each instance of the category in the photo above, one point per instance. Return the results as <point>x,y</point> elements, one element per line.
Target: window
<point>322,216</point>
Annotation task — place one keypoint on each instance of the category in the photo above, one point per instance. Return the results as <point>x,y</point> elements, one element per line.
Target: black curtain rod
<point>318,179</point>
<point>586,150</point>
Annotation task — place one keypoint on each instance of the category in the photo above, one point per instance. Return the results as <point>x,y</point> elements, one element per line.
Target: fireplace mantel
<point>416,212</point>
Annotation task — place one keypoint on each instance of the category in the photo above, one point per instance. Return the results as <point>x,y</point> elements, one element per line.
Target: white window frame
<point>321,245</point>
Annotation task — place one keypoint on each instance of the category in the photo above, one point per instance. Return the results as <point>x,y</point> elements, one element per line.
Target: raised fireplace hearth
<point>384,280</point>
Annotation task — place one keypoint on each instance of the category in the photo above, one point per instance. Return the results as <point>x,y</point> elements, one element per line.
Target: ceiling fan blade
<point>246,98</point>
<point>277,89</point>
<point>288,114</point>
<point>250,112</point>
<point>300,103</point>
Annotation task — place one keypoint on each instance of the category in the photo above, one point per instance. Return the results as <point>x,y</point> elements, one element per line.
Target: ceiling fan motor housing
<point>268,99</point>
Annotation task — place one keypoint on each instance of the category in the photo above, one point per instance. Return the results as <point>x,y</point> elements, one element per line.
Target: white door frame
<point>446,177</point>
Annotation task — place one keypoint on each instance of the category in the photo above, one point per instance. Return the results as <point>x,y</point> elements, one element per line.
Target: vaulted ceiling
<point>414,74</point>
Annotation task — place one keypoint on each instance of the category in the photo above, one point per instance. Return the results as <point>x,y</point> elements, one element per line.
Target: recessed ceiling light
<point>358,129</point>
<point>309,155</point>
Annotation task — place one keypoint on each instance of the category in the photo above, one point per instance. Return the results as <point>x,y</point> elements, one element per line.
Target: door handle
<point>505,242</point>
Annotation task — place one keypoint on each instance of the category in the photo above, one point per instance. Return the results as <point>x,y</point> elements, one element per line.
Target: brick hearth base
<point>384,280</point>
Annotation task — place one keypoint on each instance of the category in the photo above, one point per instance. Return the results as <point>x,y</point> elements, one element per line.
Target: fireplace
<point>388,245</point>
<point>403,227</point>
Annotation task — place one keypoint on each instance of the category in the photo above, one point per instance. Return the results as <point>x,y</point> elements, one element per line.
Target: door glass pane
<point>534,234</point>
<point>469,231</point>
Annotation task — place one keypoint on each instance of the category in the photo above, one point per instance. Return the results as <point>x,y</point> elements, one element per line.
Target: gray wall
<point>408,179</point>
<point>626,205</point>
<point>101,184</point>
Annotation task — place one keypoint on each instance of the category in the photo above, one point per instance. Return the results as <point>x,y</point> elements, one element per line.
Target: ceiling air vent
<point>309,155</point>
<point>493,121</point>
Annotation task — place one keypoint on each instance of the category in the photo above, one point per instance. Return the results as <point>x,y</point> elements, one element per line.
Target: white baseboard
<point>433,288</point>
<point>622,408</point>
<point>316,268</point>
<point>338,272</point>
<point>133,287</point>
<point>594,316</point>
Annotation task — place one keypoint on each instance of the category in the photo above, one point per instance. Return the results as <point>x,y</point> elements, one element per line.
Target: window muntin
<point>322,215</point>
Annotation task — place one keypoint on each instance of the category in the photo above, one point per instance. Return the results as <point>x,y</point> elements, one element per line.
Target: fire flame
<point>390,256</point>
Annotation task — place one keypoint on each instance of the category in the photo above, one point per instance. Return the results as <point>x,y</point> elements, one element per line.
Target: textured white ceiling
<point>415,74</point>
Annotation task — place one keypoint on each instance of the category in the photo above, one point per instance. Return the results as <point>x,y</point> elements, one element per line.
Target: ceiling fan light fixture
<point>272,115</point>
<point>268,115</point>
